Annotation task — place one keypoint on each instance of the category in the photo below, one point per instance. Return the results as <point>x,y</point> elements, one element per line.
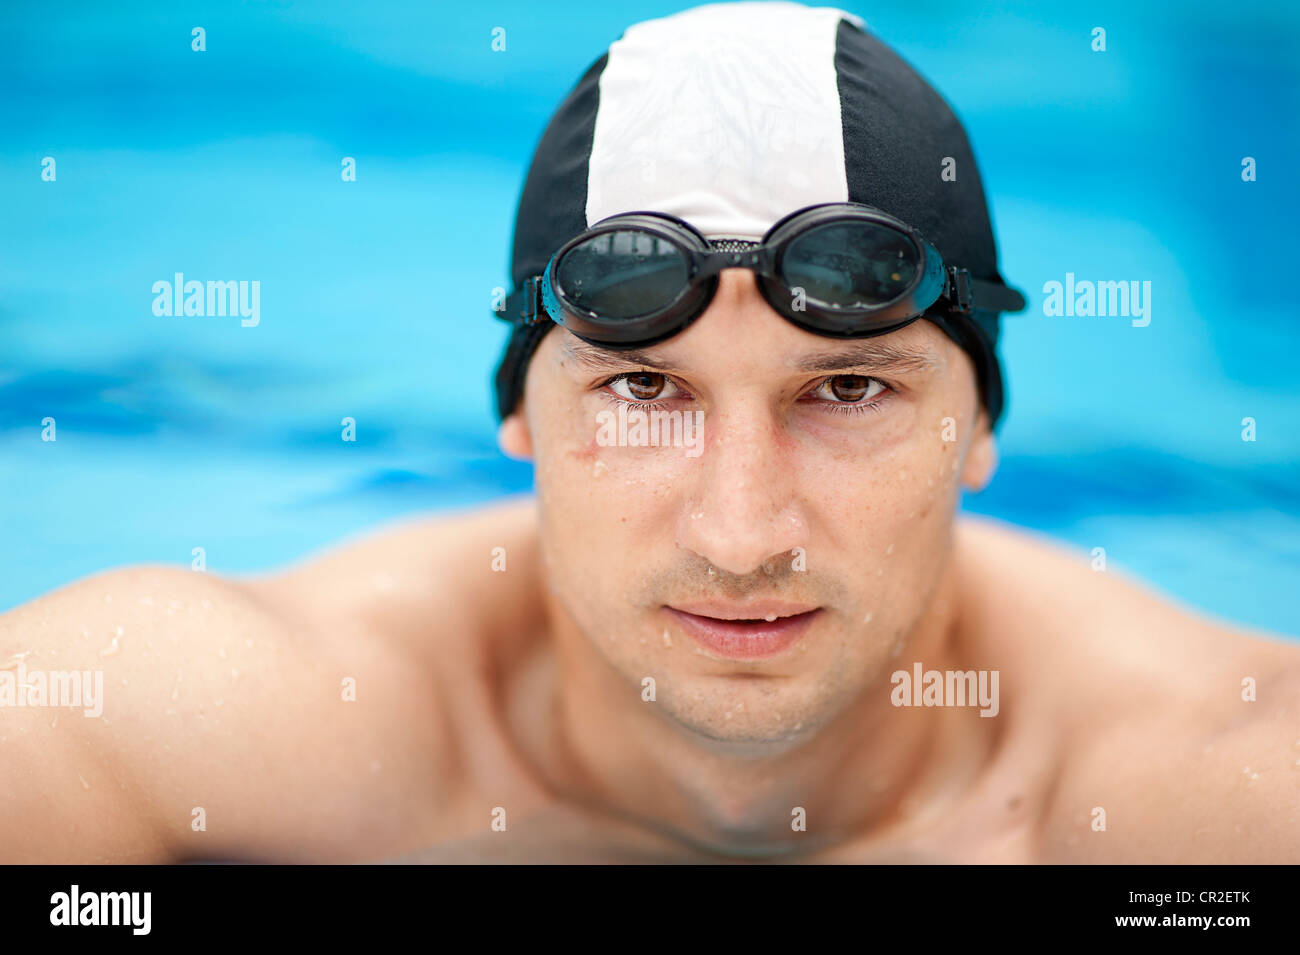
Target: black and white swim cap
<point>730,116</point>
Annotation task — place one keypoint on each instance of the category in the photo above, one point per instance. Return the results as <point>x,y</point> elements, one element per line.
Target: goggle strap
<point>990,296</point>
<point>532,313</point>
<point>964,292</point>
<point>959,289</point>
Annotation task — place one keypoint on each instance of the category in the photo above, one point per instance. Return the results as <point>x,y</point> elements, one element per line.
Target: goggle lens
<point>623,274</point>
<point>851,265</point>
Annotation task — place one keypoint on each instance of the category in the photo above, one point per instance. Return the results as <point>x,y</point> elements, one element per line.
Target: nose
<point>742,509</point>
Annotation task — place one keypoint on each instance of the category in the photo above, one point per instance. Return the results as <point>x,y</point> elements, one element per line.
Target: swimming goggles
<point>839,269</point>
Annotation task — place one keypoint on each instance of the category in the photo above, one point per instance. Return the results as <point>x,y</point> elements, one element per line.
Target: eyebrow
<point>867,354</point>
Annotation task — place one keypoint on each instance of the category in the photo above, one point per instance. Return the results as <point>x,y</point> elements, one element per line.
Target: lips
<point>749,631</point>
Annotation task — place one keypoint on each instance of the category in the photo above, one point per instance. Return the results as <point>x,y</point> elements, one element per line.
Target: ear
<point>981,456</point>
<point>513,437</point>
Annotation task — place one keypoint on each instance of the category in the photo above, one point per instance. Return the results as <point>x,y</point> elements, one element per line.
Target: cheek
<point>603,507</point>
<point>889,465</point>
<point>616,467</point>
<point>888,510</point>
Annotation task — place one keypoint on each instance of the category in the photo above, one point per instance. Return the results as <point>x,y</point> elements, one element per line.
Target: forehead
<point>915,348</point>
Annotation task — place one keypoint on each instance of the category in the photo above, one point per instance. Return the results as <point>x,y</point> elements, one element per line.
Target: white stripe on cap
<point>726,115</point>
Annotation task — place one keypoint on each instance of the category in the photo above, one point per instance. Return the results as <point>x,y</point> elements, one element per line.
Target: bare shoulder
<point>442,572</point>
<point>1177,733</point>
<point>154,650</point>
<point>222,729</point>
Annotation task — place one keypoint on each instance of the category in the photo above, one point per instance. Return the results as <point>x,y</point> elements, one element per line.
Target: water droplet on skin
<point>698,515</point>
<point>54,722</point>
<point>668,642</point>
<point>85,634</point>
<point>109,650</point>
<point>1249,775</point>
<point>889,550</point>
<point>599,468</point>
<point>176,691</point>
<point>84,784</point>
<point>867,618</point>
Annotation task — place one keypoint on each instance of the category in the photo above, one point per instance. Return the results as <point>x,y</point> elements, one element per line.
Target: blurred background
<point>375,294</point>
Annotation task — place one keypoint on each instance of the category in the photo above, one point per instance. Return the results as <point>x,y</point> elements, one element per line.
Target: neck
<point>873,771</point>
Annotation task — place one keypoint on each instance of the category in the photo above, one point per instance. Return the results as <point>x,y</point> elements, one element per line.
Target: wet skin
<point>828,486</point>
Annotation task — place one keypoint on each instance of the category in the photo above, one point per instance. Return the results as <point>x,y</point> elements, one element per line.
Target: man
<point>741,620</point>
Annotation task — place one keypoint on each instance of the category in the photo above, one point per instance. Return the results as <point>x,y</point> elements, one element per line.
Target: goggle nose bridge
<point>733,254</point>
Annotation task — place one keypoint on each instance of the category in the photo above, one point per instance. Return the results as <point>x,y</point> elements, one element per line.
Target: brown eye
<point>851,388</point>
<point>644,385</point>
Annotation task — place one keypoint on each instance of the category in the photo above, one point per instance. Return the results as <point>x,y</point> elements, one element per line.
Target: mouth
<point>745,631</point>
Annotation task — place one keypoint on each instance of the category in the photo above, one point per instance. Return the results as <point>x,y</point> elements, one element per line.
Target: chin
<point>760,718</point>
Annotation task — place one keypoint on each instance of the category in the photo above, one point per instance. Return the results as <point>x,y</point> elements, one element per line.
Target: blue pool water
<point>175,433</point>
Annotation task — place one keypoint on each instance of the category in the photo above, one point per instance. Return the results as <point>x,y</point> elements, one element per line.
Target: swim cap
<point>732,115</point>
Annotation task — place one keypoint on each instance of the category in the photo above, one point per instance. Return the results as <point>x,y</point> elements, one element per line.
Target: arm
<point>211,700</point>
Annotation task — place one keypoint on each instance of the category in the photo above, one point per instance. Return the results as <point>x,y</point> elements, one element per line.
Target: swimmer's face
<point>825,480</point>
